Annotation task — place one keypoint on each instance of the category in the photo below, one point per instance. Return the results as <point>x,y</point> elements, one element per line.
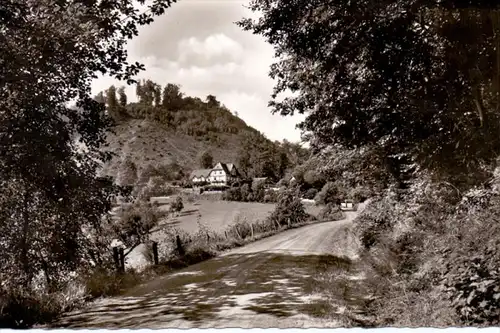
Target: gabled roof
<point>200,173</point>
<point>223,166</point>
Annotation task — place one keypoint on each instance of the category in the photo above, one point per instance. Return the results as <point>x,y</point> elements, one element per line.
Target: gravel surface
<point>264,284</point>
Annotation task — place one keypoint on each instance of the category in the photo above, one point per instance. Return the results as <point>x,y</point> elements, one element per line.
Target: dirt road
<point>268,283</point>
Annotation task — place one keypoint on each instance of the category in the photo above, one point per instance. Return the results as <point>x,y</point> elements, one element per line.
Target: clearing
<point>216,215</point>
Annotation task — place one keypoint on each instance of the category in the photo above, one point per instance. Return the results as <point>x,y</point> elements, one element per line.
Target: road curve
<point>264,284</point>
<point>332,238</point>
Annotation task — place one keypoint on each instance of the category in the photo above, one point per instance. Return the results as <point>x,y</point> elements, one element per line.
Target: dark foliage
<point>418,78</point>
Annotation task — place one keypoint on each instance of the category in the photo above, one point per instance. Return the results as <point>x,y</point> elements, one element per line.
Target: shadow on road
<point>223,288</point>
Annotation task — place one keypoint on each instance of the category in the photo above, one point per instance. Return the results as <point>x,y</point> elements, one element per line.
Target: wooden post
<point>122,260</point>
<point>180,249</point>
<point>155,253</point>
<point>225,233</point>
<point>116,258</point>
<point>251,227</point>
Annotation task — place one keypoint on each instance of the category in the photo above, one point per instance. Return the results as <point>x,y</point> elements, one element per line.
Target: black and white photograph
<point>186,164</point>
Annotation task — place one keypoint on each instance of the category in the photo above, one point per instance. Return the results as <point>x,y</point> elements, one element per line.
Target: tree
<point>147,92</point>
<point>212,101</point>
<point>157,94</point>
<point>122,96</point>
<point>283,164</point>
<point>139,92</point>
<point>99,98</point>
<point>135,223</point>
<point>127,175</point>
<point>112,103</point>
<point>172,97</point>
<point>51,201</point>
<point>416,77</point>
<point>206,160</point>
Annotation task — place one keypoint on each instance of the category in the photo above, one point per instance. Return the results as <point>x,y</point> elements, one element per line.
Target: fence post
<point>180,249</point>
<point>251,227</point>
<point>116,258</point>
<point>122,260</point>
<point>155,253</point>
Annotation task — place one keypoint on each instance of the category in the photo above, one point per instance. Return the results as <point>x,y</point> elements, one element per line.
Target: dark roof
<point>200,173</point>
<point>224,167</point>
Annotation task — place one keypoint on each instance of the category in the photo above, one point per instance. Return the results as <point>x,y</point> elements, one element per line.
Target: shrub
<point>360,194</point>
<point>21,308</point>
<point>330,193</point>
<point>377,220</point>
<point>271,197</point>
<point>245,191</point>
<point>105,282</point>
<point>310,193</point>
<point>177,205</point>
<point>331,212</point>
<point>258,189</point>
<point>135,223</point>
<point>232,194</point>
<point>314,178</point>
<point>241,228</point>
<point>289,209</point>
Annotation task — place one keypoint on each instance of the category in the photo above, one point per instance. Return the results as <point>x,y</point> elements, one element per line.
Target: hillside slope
<point>167,127</point>
<point>148,142</point>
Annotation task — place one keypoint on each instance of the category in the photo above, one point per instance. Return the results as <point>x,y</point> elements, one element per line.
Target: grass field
<point>217,215</point>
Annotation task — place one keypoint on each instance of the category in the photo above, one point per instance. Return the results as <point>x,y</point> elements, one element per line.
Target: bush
<point>314,179</point>
<point>360,194</point>
<point>241,228</point>
<point>107,282</point>
<point>25,308</point>
<point>232,194</point>
<point>177,205</point>
<point>289,209</point>
<point>135,223</point>
<point>271,197</point>
<point>245,191</point>
<point>283,183</point>
<point>311,193</point>
<point>377,219</point>
<point>215,187</point>
<point>331,212</point>
<point>420,248</point>
<point>330,193</point>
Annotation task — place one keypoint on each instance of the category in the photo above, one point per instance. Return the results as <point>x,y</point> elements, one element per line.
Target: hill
<point>169,130</point>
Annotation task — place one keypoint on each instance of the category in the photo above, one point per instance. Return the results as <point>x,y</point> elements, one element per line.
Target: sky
<point>197,45</point>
